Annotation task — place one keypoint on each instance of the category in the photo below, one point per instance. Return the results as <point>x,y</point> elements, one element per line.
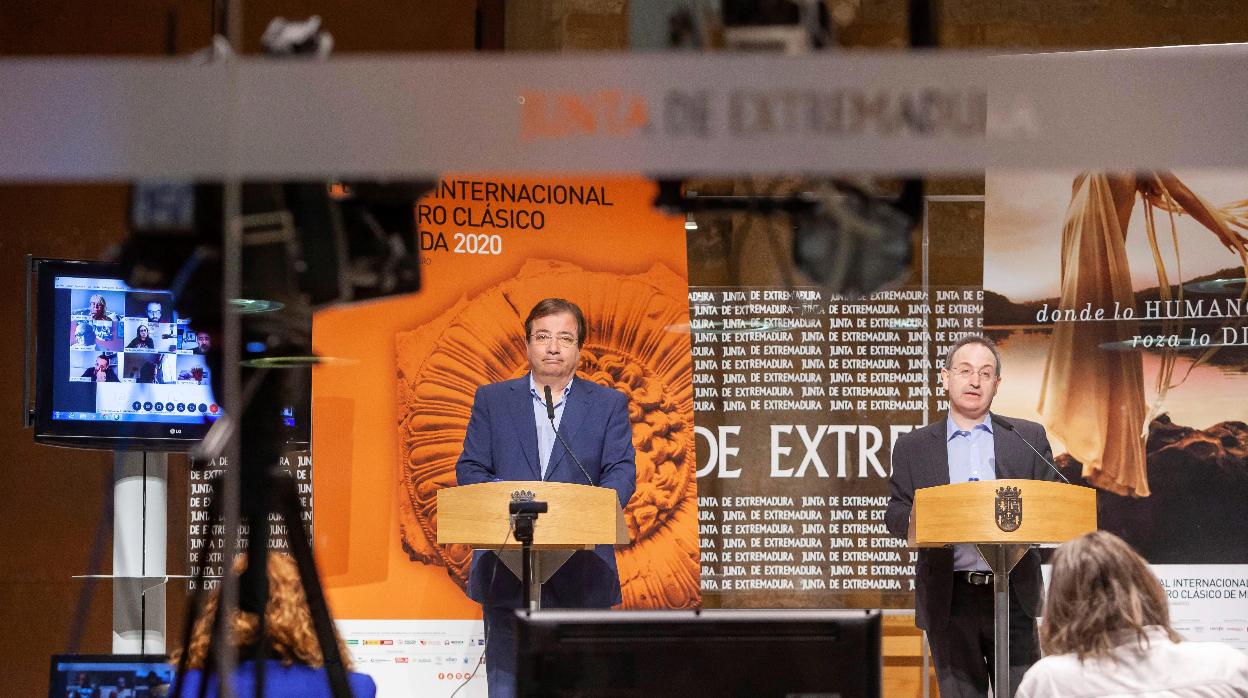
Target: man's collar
<point>533,386</point>
<point>952,428</point>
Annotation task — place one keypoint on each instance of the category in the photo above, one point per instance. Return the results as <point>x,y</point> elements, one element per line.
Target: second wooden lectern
<point>1002,518</point>
<point>578,517</point>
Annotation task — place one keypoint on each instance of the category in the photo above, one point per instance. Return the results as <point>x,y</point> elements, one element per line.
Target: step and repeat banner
<point>206,541</point>
<point>799,395</point>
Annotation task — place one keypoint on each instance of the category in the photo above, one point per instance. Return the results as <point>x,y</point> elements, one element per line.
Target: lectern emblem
<point>523,495</point>
<point>1009,508</point>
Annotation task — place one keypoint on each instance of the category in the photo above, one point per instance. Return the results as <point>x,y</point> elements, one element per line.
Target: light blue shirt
<point>971,457</point>
<point>545,432</point>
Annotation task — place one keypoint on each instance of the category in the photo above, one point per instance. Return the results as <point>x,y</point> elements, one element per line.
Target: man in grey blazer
<point>953,586</point>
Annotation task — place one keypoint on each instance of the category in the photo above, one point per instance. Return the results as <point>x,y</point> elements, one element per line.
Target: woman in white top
<point>1106,632</point>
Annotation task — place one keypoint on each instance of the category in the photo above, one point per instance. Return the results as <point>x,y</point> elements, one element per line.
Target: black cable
<point>550,413</point>
<point>1009,426</point>
<point>143,566</point>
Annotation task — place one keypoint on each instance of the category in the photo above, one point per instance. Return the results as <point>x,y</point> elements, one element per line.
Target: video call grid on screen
<point>146,363</point>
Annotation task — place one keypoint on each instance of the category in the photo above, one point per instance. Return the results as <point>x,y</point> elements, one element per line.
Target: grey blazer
<point>921,459</point>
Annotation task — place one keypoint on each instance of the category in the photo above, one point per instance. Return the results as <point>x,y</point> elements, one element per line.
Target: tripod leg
<point>288,506</point>
<point>253,585</point>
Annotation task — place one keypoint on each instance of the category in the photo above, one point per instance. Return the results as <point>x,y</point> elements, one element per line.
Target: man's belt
<point>975,578</point>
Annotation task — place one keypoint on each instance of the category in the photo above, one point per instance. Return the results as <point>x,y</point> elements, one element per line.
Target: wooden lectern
<point>1002,518</point>
<point>578,517</point>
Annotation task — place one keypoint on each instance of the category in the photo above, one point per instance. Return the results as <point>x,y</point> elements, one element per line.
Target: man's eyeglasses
<point>566,341</point>
<point>965,373</point>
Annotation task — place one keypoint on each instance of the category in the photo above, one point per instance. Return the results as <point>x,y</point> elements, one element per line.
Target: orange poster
<point>389,413</point>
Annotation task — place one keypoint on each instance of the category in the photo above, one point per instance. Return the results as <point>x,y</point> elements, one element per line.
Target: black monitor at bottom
<point>760,653</point>
<point>104,675</point>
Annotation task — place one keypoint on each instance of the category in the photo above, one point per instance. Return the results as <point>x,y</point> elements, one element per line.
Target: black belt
<point>975,578</point>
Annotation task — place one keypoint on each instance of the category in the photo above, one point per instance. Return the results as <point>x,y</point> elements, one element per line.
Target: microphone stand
<point>525,514</point>
<point>1009,426</point>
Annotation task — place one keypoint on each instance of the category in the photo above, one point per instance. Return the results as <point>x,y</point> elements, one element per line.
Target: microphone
<point>550,413</point>
<point>550,407</point>
<point>1009,426</point>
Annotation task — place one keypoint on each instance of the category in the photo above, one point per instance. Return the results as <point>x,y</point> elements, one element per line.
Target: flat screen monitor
<point>709,653</point>
<point>104,675</point>
<point>116,367</point>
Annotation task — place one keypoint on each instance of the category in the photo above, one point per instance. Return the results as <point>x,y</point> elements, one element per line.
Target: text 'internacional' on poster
<point>799,395</point>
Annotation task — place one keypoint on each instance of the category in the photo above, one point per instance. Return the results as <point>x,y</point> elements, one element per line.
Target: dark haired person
<point>510,437</point>
<point>83,687</point>
<point>296,667</point>
<point>1107,632</point>
<point>149,371</point>
<point>155,685</point>
<point>953,599</point>
<point>102,371</point>
<point>142,339</point>
<point>203,342</point>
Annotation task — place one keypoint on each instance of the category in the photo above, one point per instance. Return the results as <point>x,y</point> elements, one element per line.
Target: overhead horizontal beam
<point>661,114</point>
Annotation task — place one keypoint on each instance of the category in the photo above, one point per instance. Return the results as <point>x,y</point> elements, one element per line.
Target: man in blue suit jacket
<point>510,437</point>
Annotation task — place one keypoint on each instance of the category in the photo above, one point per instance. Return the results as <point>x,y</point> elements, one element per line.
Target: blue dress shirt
<point>545,432</point>
<point>971,457</point>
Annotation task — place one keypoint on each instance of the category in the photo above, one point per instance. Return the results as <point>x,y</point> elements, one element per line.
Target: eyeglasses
<point>567,341</point>
<point>965,373</point>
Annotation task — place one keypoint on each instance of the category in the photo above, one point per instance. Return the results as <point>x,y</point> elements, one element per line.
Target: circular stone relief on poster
<point>629,347</point>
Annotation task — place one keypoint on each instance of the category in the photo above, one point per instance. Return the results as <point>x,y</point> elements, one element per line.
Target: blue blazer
<point>501,445</point>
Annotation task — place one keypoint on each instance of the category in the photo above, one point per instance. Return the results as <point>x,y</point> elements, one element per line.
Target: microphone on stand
<point>550,414</point>
<point>1009,426</point>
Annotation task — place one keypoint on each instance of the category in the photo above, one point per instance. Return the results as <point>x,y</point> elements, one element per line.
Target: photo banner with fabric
<point>1118,302</point>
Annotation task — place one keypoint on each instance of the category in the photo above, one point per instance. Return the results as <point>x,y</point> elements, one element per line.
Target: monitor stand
<point>140,528</point>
